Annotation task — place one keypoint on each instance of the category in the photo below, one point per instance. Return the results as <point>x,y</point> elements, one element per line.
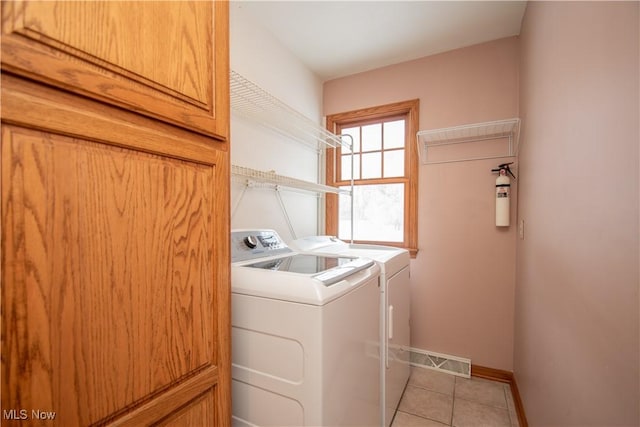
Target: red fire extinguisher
<point>503,194</point>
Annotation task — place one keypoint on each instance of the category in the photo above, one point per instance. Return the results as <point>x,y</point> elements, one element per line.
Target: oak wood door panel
<point>112,295</point>
<point>200,409</point>
<point>42,107</point>
<point>159,58</point>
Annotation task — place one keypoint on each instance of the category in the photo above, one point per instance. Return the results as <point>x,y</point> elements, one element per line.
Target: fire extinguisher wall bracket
<point>503,194</point>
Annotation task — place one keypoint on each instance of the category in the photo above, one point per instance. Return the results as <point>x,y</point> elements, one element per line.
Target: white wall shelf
<point>253,176</point>
<point>259,106</point>
<point>500,129</point>
<point>256,178</point>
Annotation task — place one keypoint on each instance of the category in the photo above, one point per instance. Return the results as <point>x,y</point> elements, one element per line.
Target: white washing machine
<point>394,309</point>
<point>305,335</point>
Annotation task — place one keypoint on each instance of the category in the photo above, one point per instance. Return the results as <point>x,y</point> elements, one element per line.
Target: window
<point>384,167</point>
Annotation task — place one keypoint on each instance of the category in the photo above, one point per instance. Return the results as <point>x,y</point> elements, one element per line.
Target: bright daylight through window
<point>380,163</point>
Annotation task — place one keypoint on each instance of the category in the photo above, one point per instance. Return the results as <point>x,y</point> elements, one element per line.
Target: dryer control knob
<point>251,241</point>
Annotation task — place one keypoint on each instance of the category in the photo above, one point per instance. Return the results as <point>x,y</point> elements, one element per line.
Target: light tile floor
<point>436,399</point>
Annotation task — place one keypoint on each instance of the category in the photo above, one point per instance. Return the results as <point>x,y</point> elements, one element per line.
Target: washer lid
<point>315,289</point>
<point>327,269</point>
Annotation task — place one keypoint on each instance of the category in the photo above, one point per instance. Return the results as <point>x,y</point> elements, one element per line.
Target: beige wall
<point>577,338</point>
<point>463,279</point>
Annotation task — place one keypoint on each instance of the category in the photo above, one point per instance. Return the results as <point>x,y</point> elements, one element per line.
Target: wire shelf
<point>509,128</point>
<point>271,178</point>
<point>259,106</point>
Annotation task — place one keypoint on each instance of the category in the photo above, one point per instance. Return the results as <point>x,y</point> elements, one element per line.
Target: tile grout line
<point>457,381</point>
<point>506,400</point>
<point>423,417</point>
<point>427,389</point>
<point>484,404</point>
<point>453,402</point>
<point>430,389</point>
<point>473,399</point>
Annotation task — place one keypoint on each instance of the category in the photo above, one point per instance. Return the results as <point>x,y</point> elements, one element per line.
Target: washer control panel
<point>253,244</point>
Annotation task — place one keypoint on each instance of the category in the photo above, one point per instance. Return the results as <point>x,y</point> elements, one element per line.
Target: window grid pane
<point>371,165</point>
<point>384,138</point>
<point>355,133</point>
<point>393,163</point>
<point>394,134</point>
<point>345,167</point>
<point>372,137</point>
<point>379,153</point>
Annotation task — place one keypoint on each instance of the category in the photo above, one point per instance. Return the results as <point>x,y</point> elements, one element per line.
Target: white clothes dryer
<point>394,311</point>
<point>304,335</point>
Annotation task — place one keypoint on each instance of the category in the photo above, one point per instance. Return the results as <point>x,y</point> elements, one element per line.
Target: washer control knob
<point>251,241</point>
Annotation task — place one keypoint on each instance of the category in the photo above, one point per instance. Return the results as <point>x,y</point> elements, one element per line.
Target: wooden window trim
<point>408,110</point>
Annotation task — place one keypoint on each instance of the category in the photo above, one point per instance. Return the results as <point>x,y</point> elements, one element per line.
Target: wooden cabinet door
<point>115,267</point>
<point>159,58</point>
<point>115,259</point>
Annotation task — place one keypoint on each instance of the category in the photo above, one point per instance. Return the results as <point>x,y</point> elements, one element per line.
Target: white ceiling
<point>338,38</point>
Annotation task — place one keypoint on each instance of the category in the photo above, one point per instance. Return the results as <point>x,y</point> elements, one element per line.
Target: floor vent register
<point>441,362</point>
